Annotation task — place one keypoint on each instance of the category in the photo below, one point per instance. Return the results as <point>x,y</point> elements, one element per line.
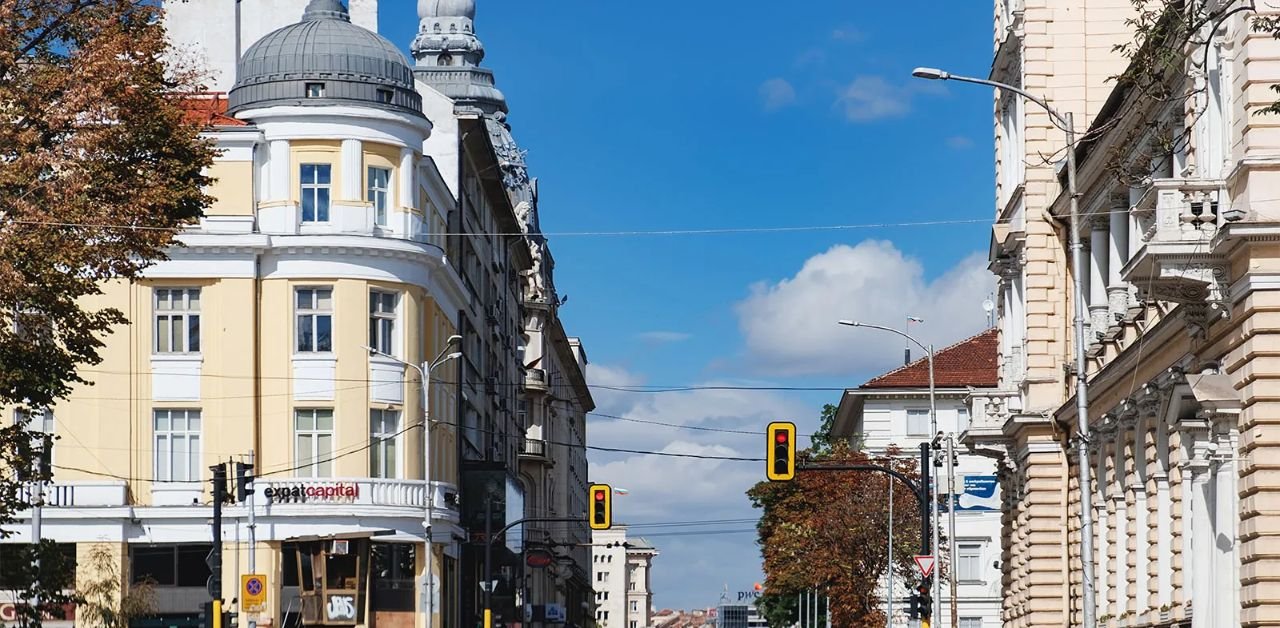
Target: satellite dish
<point>988,306</point>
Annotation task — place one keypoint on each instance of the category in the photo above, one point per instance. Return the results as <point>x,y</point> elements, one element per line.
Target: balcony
<point>989,411</point>
<point>535,380</point>
<point>90,494</point>
<point>1177,220</point>
<point>534,450</point>
<point>344,491</point>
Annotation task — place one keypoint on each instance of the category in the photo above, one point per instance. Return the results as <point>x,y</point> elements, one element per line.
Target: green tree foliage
<point>829,531</point>
<point>44,571</point>
<point>103,600</point>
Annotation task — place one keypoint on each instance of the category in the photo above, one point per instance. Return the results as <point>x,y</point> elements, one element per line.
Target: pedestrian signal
<point>601,507</point>
<point>781,451</point>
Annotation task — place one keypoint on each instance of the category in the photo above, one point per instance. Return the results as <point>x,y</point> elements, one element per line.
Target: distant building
<point>893,409</point>
<point>621,566</point>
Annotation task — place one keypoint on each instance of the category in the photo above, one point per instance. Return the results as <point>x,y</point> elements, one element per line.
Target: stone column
<point>1117,290</point>
<point>407,194</point>
<point>1226,570</point>
<point>1197,502</point>
<point>352,171</point>
<point>1102,529</point>
<point>1120,507</point>
<point>1100,250</point>
<point>278,171</point>
<point>1140,519</point>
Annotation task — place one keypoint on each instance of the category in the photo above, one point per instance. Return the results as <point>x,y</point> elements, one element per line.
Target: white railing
<point>90,494</point>
<point>1181,210</point>
<point>361,492</point>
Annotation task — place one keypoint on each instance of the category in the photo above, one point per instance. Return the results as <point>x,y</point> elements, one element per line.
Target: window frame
<point>189,315</point>
<point>321,212</point>
<point>317,464</point>
<point>314,313</point>
<point>382,322</point>
<point>314,89</point>
<point>966,561</point>
<point>192,439</point>
<point>374,194</point>
<point>917,412</point>
<point>381,440</point>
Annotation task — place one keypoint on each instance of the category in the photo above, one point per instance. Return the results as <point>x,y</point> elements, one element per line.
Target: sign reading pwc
<point>981,493</point>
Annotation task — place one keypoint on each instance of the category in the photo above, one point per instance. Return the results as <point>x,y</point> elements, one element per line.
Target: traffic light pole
<point>215,556</point>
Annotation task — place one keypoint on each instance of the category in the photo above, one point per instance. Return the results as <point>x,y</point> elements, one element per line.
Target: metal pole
<point>951,516</point>
<point>253,531</point>
<point>933,490</point>
<point>37,518</point>
<point>889,596</point>
<point>429,578</point>
<point>1082,387</point>
<point>488,558</point>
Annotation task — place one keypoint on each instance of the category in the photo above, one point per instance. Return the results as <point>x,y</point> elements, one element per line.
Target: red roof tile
<point>210,110</point>
<point>970,362</point>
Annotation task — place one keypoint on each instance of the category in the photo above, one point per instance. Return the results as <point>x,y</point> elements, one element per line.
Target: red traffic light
<point>599,496</point>
<point>781,437</point>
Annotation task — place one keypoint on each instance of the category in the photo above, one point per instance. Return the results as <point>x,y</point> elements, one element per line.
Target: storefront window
<point>394,568</point>
<point>171,565</point>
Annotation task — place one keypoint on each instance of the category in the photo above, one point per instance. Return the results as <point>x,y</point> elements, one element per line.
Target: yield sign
<point>925,563</point>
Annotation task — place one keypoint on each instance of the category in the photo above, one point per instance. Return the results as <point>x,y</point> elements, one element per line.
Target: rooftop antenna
<point>989,306</point>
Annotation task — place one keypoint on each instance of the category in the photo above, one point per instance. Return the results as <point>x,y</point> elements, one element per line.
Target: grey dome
<point>324,60</point>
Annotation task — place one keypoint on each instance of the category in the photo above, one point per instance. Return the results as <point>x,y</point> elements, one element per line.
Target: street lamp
<point>424,376</point>
<point>933,427</point>
<point>1065,122</point>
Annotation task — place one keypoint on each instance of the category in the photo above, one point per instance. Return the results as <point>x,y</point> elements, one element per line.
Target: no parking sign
<point>253,593</point>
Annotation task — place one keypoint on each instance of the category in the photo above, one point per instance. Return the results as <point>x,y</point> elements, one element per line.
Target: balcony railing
<point>534,449</point>
<point>354,491</point>
<point>1177,220</point>
<point>89,494</point>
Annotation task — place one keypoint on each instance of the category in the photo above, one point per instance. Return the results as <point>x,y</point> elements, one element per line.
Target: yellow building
<point>252,343</point>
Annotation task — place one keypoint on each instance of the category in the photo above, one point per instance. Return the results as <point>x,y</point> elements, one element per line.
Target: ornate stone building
<point>1180,199</point>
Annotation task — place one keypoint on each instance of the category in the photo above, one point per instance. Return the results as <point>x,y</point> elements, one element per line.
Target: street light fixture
<point>424,376</point>
<point>1065,122</point>
<point>933,427</point>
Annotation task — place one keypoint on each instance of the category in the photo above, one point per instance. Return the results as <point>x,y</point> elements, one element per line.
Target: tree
<point>44,572</point>
<point>100,167</point>
<point>828,530</point>
<point>103,600</point>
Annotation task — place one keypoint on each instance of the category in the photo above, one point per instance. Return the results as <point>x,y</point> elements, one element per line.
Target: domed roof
<point>447,8</point>
<point>324,60</point>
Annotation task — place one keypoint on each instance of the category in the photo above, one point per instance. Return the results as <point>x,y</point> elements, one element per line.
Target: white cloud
<point>959,142</point>
<point>666,489</point>
<point>790,326</point>
<point>848,34</point>
<point>777,93</point>
<point>663,337</point>
<point>871,97</point>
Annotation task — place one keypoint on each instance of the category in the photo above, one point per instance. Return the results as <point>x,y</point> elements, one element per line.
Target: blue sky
<point>719,114</point>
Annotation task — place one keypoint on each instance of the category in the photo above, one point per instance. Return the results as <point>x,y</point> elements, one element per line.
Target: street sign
<point>925,563</point>
<point>539,558</point>
<point>253,593</point>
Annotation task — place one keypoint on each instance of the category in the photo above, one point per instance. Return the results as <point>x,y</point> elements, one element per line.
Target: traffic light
<point>219,483</point>
<point>913,608</point>
<point>781,451</point>
<point>244,481</point>
<point>925,599</point>
<point>601,507</point>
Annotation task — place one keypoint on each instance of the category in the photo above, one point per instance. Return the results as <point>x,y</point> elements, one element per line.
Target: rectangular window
<point>635,606</point>
<point>177,445</point>
<point>917,422</point>
<point>315,90</point>
<point>970,622</point>
<point>35,421</point>
<point>384,425</point>
<point>315,320</point>
<point>382,321</point>
<point>313,442</point>
<point>170,565</point>
<point>315,192</point>
<point>177,319</point>
<point>969,562</point>
<point>962,419</point>
<point>385,96</point>
<point>379,184</point>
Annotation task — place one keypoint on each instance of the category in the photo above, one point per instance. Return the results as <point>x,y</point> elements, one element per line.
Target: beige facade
<point>1178,197</point>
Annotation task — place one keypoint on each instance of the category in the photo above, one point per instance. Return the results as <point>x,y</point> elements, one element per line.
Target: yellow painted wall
<point>232,189</point>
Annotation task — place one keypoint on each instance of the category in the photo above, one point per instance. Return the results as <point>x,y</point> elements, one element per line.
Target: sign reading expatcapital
<point>336,492</point>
